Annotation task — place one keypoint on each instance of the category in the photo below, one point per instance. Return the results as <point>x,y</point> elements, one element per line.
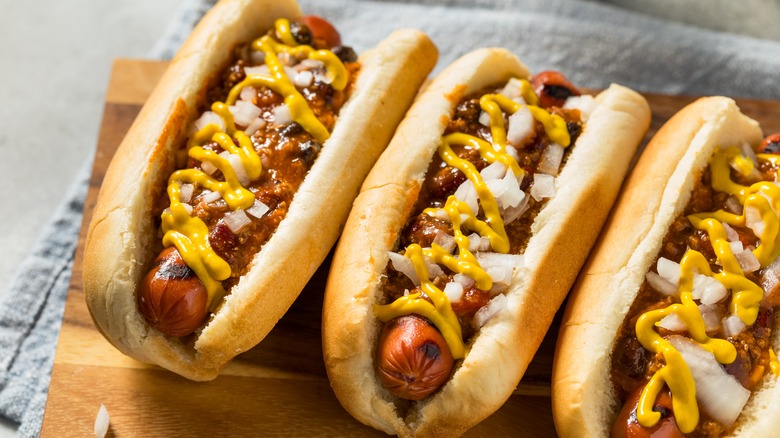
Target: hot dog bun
<point>584,400</point>
<point>503,348</point>
<point>122,236</point>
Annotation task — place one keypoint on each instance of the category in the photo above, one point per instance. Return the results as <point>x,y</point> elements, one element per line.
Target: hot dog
<point>236,178</point>
<point>670,329</point>
<point>465,239</point>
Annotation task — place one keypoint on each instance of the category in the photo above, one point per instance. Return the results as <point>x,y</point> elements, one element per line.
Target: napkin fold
<point>594,43</point>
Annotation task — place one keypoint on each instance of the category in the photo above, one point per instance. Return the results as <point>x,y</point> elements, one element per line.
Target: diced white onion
<point>551,159</point>
<point>747,261</point>
<point>468,194</point>
<point>501,276</point>
<point>101,422</point>
<point>543,187</point>
<point>282,115</point>
<point>258,209</point>
<point>721,396</point>
<point>441,215</point>
<point>209,196</point>
<point>731,234</point>
<point>478,243</point>
<point>495,170</point>
<point>186,192</point>
<point>290,72</point>
<point>497,187</point>
<point>464,280</point>
<point>244,113</point>
<point>311,64</point>
<point>237,165</point>
<point>673,323</point>
<point>736,247</point>
<point>512,213</point>
<point>256,124</point>
<point>733,205</point>
<point>769,201</point>
<point>285,58</point>
<point>748,152</point>
<point>513,195</point>
<point>521,125</point>
<point>669,270</point>
<point>236,220</point>
<point>708,290</point>
<point>489,310</point>
<point>484,118</point>
<point>433,269</point>
<point>771,277</point>
<point>586,104</point>
<point>733,325</point>
<point>512,152</point>
<point>321,77</point>
<point>261,70</point>
<point>454,291</point>
<point>248,94</point>
<point>404,266</point>
<point>496,259</point>
<point>500,267</point>
<point>661,284</point>
<point>209,118</point>
<point>513,89</point>
<point>445,241</point>
<point>207,167</point>
<point>753,221</point>
<point>304,79</point>
<point>711,318</point>
<point>187,207</point>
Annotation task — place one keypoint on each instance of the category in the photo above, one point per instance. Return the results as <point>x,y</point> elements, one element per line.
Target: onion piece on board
<point>101,422</point>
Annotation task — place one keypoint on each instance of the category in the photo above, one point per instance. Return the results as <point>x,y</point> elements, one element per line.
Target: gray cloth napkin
<point>595,44</point>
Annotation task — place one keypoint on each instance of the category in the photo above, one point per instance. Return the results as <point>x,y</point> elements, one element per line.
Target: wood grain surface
<point>279,388</point>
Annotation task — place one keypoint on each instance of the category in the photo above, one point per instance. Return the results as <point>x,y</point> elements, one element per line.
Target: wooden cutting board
<point>277,388</point>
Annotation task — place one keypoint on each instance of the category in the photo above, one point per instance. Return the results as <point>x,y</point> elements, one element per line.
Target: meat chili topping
<point>471,222</point>
<point>272,112</point>
<point>696,340</point>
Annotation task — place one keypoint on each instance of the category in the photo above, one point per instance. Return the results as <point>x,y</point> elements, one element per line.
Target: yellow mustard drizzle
<point>774,365</point>
<point>190,234</point>
<point>746,295</point>
<point>461,216</point>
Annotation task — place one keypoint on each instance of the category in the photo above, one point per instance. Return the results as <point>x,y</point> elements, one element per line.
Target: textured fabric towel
<point>595,44</point>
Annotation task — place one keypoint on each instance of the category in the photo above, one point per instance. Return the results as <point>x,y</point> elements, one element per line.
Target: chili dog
<point>670,329</point>
<point>235,180</point>
<point>465,239</point>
